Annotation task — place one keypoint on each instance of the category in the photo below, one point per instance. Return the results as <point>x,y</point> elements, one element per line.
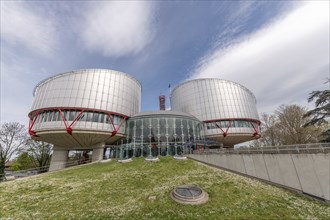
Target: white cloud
<point>118,28</point>
<point>21,26</point>
<point>280,63</point>
<point>28,37</point>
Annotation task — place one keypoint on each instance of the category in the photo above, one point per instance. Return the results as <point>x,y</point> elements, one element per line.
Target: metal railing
<point>284,149</point>
<point>11,175</point>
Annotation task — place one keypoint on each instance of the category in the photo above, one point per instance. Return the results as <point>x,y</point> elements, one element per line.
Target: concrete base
<point>180,158</point>
<point>106,161</point>
<point>98,151</point>
<point>151,159</point>
<point>125,160</point>
<point>59,159</point>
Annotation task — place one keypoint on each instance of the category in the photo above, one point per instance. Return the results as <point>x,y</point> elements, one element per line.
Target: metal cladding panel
<point>211,99</point>
<point>101,89</point>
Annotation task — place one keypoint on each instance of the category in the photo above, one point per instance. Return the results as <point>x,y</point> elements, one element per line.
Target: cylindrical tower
<point>227,109</point>
<point>83,108</point>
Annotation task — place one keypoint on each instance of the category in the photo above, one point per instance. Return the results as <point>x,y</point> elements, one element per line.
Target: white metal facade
<point>224,107</point>
<point>102,89</point>
<point>209,99</point>
<point>93,103</point>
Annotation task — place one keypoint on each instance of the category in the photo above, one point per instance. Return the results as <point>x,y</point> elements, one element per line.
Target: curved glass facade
<point>159,133</point>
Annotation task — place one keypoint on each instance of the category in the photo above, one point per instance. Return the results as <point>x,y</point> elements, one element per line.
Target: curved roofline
<point>218,79</point>
<point>76,71</point>
<point>163,112</point>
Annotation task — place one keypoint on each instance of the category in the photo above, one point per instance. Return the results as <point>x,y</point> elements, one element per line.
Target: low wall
<point>307,173</point>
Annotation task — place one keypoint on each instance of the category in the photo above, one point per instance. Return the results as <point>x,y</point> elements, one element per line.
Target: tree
<point>291,127</point>
<point>12,139</point>
<point>40,152</point>
<point>287,126</point>
<point>25,161</point>
<point>270,134</point>
<point>320,115</point>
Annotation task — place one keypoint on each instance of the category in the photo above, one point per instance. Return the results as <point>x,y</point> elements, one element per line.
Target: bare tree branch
<point>12,139</point>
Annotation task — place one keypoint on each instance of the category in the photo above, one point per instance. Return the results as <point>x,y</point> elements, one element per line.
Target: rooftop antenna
<point>169,87</point>
<point>162,100</point>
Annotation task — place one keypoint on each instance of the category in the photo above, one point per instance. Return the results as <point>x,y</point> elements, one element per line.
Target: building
<point>99,110</point>
<point>227,109</point>
<point>155,133</point>
<point>83,109</point>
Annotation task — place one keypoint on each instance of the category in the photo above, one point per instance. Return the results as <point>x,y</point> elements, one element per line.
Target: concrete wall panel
<point>238,160</point>
<point>231,163</point>
<point>274,171</point>
<point>223,161</point>
<point>288,171</point>
<point>308,173</point>
<point>213,158</point>
<point>307,176</point>
<point>249,165</point>
<point>321,164</point>
<point>260,166</point>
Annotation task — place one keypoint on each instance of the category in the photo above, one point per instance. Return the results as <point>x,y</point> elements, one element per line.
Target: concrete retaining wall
<point>308,173</point>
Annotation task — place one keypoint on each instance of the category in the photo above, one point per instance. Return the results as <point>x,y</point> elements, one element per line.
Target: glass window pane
<point>95,117</point>
<point>101,118</point>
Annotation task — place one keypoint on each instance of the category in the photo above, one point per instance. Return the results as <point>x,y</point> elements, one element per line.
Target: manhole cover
<point>189,194</point>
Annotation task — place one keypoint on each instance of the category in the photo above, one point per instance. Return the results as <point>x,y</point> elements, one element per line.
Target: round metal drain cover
<point>189,194</point>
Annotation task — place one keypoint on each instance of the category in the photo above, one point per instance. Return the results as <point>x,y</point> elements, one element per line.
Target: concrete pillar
<point>98,151</point>
<point>59,159</point>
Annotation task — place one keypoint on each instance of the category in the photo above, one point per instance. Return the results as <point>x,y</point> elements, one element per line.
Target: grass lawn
<point>120,191</point>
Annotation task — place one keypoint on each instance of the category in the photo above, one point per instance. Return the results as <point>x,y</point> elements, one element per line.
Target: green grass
<point>120,191</point>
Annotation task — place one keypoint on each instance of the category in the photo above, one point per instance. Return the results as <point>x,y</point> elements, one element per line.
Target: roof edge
<point>76,71</point>
<point>218,79</point>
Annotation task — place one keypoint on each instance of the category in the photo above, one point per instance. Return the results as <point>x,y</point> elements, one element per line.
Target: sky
<point>277,49</point>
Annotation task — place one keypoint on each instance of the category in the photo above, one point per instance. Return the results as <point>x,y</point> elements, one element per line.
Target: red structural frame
<point>225,131</point>
<point>33,116</point>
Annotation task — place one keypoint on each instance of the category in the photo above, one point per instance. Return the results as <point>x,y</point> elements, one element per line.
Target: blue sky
<point>277,49</point>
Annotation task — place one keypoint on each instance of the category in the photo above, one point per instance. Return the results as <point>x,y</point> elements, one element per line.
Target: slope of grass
<point>121,191</point>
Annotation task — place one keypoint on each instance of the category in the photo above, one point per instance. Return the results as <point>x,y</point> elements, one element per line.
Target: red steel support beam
<point>121,123</point>
<point>64,120</point>
<point>256,129</point>
<point>115,130</point>
<point>69,127</point>
<point>31,123</point>
<point>224,133</point>
<point>113,125</point>
<point>77,109</point>
<point>219,127</point>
